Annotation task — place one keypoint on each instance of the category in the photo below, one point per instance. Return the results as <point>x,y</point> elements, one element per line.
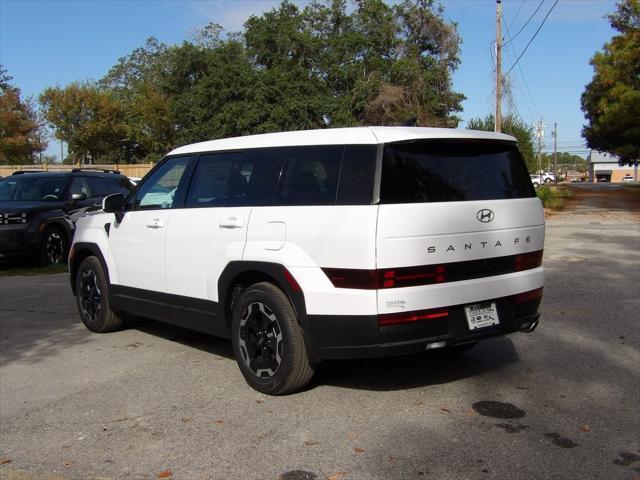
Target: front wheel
<point>54,248</point>
<point>92,298</point>
<point>268,343</point>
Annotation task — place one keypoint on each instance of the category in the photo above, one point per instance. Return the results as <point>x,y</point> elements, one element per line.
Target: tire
<point>536,184</point>
<point>54,247</point>
<point>92,298</point>
<point>268,343</point>
<point>547,180</point>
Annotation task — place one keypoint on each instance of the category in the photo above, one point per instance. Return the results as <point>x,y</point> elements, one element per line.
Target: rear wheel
<point>54,247</point>
<point>547,180</point>
<point>268,343</point>
<point>92,298</point>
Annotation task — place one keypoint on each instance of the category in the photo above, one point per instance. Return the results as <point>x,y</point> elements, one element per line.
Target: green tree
<point>378,65</point>
<point>565,159</point>
<point>511,125</point>
<point>611,102</point>
<point>135,83</point>
<point>22,134</point>
<point>88,118</point>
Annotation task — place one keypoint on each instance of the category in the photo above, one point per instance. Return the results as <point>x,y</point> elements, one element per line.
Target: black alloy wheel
<point>54,246</point>
<point>90,296</point>
<point>268,342</point>
<point>260,340</point>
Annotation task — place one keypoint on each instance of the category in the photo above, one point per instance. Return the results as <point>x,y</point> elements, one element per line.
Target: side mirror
<point>113,203</point>
<point>75,197</point>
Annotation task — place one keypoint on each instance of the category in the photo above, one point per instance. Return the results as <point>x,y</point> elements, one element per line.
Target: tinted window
<point>357,175</point>
<point>310,176</point>
<point>159,190</point>
<point>218,179</point>
<point>103,186</point>
<point>235,179</point>
<point>80,185</point>
<point>33,186</point>
<point>446,171</point>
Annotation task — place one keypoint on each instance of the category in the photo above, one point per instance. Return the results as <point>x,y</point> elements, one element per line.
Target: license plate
<point>481,315</point>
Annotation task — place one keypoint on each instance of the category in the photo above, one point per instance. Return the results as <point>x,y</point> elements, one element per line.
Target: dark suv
<point>38,210</point>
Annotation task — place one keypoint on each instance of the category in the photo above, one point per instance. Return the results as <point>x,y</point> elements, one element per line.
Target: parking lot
<point>156,401</point>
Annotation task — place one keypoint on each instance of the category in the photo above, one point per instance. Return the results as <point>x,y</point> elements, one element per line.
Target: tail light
<point>410,317</point>
<point>527,261</point>
<point>387,278</point>
<point>529,296</point>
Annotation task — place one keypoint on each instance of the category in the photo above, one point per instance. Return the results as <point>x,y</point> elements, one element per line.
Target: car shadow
<point>418,370</point>
<point>377,374</point>
<point>190,338</point>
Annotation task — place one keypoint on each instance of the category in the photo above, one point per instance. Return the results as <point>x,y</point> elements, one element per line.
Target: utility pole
<point>555,148</point>
<point>540,134</point>
<point>498,119</point>
<point>61,152</point>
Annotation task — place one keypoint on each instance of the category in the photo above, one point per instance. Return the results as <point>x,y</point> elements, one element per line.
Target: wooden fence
<point>130,170</point>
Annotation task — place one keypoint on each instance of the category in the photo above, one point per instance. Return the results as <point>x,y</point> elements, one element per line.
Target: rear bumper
<point>360,336</point>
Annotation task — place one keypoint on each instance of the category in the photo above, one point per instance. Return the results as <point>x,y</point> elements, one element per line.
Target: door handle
<point>156,223</point>
<point>231,222</point>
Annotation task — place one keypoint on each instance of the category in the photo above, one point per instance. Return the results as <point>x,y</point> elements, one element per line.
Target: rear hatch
<point>454,210</point>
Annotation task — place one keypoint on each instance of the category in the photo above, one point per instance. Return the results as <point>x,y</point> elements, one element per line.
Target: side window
<point>218,180</point>
<point>265,165</point>
<point>80,185</point>
<point>103,186</point>
<point>310,176</point>
<point>159,190</point>
<point>357,175</point>
<point>235,179</point>
<point>119,184</point>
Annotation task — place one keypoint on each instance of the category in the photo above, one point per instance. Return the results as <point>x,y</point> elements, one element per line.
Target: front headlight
<point>13,218</point>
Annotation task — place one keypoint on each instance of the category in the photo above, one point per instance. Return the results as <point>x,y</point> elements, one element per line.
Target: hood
<point>13,206</point>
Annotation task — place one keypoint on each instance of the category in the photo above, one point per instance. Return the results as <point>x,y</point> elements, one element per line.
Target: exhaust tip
<point>528,327</point>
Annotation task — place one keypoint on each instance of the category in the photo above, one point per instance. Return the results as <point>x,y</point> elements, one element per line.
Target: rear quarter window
<point>453,170</point>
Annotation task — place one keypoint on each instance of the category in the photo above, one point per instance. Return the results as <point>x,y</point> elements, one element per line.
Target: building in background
<point>604,167</point>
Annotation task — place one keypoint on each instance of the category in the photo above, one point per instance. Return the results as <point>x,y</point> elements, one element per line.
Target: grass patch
<point>32,270</point>
<point>554,197</point>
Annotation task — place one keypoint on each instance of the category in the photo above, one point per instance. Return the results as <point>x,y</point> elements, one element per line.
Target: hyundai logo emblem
<point>485,215</point>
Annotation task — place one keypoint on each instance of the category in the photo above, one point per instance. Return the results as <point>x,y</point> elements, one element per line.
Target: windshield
<point>32,187</point>
<point>452,170</point>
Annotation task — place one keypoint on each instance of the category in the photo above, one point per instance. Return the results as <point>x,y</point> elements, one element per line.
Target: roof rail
<point>91,169</point>
<point>21,172</point>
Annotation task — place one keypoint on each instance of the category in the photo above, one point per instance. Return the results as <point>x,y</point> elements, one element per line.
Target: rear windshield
<point>453,171</point>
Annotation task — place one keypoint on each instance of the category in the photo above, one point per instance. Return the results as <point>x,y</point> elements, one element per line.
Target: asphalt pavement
<point>156,401</point>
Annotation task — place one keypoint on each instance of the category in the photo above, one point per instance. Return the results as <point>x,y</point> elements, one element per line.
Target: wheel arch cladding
<point>80,251</point>
<point>244,274</point>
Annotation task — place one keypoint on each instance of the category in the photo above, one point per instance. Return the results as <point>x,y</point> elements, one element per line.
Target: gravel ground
<point>157,401</point>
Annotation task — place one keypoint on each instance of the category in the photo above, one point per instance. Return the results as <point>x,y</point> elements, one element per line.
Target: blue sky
<point>50,42</point>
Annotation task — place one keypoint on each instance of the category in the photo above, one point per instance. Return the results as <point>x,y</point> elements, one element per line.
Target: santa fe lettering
<point>469,246</point>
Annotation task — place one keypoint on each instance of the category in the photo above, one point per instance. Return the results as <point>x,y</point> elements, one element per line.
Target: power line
<point>517,13</point>
<point>526,84</point>
<point>534,36</point>
<point>526,23</point>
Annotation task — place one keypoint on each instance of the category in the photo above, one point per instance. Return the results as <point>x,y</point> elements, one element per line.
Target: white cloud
<point>230,14</point>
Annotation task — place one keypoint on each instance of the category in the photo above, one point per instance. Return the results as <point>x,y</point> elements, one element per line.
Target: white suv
<point>312,245</point>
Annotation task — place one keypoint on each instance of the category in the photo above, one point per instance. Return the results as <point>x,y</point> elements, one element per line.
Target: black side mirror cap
<point>113,203</point>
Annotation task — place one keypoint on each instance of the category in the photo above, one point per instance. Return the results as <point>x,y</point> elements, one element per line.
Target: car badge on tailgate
<point>485,215</point>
